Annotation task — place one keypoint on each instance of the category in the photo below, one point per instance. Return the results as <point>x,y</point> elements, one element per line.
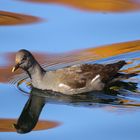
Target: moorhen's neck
<point>35,70</point>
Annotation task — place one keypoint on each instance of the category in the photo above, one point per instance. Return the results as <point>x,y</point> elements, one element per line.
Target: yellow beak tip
<point>13,126</point>
<point>13,69</point>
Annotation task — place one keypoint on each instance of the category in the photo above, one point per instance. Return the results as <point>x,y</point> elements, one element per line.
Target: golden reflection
<point>10,18</point>
<point>115,49</point>
<point>97,5</point>
<point>90,54</point>
<point>6,125</point>
<point>135,69</point>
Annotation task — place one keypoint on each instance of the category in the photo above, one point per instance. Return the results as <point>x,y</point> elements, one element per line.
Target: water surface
<point>61,33</point>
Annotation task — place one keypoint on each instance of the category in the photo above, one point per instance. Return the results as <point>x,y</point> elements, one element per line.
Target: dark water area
<point>61,33</point>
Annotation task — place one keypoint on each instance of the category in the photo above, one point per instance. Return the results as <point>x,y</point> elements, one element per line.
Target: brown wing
<point>79,76</point>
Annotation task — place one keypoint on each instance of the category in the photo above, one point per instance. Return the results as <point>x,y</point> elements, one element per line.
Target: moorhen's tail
<point>116,66</point>
<point>111,70</point>
<point>120,64</point>
<point>122,76</point>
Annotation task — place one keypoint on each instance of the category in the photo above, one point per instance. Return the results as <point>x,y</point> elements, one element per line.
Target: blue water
<point>65,29</point>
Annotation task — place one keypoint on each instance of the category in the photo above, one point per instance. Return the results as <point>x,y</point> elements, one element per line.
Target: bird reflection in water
<point>38,98</point>
<point>30,113</point>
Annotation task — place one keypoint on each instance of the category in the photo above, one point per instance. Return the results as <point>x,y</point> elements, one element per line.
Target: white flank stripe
<point>95,78</point>
<point>64,86</point>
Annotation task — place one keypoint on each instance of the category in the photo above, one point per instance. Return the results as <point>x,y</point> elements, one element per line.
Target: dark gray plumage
<point>70,80</point>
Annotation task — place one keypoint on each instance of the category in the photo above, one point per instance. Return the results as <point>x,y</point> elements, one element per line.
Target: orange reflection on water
<point>116,49</point>
<point>135,69</point>
<point>72,57</point>
<point>97,5</point>
<point>6,125</point>
<point>10,18</point>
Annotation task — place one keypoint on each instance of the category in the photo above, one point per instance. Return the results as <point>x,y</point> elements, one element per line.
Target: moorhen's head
<point>23,128</point>
<point>24,60</point>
